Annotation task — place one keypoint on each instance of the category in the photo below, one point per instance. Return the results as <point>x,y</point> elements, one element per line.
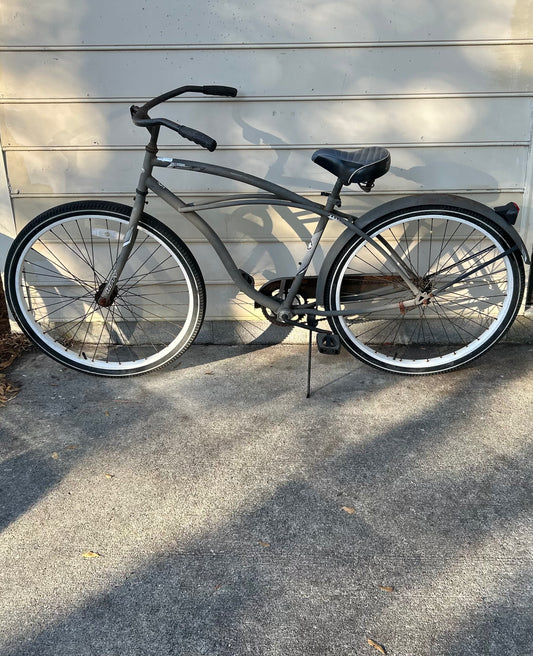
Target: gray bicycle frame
<point>276,195</point>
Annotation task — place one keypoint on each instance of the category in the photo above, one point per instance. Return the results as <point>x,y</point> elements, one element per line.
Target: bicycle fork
<point>108,290</point>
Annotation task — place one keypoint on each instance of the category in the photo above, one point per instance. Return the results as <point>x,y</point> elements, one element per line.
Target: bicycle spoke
<point>59,265</point>
<point>157,317</point>
<point>61,304</point>
<point>141,320</point>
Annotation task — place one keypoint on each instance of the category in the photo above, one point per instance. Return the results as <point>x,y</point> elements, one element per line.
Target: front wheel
<point>56,269</point>
<point>470,280</point>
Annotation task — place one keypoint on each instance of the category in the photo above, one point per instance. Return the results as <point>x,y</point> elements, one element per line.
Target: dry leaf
<point>377,646</point>
<point>91,554</point>
<point>11,346</point>
<point>55,455</point>
<point>386,588</point>
<point>7,391</point>
<point>209,373</point>
<point>264,544</point>
<point>349,510</point>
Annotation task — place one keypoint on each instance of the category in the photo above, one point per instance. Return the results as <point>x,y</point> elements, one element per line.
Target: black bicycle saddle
<point>363,165</point>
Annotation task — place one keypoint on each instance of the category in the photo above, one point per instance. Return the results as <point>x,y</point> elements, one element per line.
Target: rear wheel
<point>56,269</point>
<point>470,279</point>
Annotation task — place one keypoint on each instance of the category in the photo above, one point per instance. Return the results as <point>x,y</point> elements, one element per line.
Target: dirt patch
<point>11,346</point>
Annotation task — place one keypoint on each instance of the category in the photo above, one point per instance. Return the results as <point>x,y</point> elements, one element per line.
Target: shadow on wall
<point>81,74</point>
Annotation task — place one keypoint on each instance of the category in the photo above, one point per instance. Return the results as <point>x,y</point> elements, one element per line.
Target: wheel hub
<point>424,284</point>
<point>103,302</point>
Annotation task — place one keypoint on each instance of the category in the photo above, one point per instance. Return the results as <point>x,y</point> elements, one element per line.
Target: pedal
<point>249,279</point>
<point>328,344</point>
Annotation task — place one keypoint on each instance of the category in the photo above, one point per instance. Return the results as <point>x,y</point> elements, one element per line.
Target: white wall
<point>447,86</point>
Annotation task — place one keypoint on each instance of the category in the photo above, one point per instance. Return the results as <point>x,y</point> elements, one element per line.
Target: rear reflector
<point>508,212</point>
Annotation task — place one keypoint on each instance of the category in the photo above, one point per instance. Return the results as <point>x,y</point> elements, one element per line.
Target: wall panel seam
<point>302,192</point>
<point>13,100</point>
<point>275,147</point>
<point>317,45</point>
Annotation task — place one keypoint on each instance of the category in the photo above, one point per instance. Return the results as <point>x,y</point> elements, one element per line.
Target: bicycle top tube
<point>276,191</point>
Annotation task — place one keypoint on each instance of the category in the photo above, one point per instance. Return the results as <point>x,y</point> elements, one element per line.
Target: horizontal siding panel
<point>412,169</point>
<point>249,222</point>
<point>278,72</point>
<point>234,21</point>
<point>240,224</point>
<point>263,261</point>
<point>275,123</point>
<point>225,302</point>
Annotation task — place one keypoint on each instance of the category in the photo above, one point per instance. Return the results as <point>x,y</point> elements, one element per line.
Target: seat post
<point>334,197</point>
<point>284,312</point>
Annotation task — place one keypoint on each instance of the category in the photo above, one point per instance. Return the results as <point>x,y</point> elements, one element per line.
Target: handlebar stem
<point>151,147</point>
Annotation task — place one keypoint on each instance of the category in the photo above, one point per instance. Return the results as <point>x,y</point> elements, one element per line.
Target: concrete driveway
<point>212,509</point>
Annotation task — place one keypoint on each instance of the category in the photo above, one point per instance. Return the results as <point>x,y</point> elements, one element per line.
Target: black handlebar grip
<point>216,90</point>
<point>137,115</point>
<point>198,137</point>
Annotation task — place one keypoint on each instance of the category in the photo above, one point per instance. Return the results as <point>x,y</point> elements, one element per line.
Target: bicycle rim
<point>473,292</point>
<point>62,266</point>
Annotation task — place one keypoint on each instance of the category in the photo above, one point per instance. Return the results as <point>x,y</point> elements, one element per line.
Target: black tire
<point>56,266</point>
<point>471,297</point>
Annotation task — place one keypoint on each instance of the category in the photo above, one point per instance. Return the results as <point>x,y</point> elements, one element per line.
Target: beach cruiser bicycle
<point>419,285</point>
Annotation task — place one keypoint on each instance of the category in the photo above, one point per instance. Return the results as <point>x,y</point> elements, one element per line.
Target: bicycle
<point>418,285</point>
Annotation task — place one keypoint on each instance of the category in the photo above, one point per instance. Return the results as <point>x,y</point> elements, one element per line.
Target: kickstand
<point>312,324</point>
<point>309,364</point>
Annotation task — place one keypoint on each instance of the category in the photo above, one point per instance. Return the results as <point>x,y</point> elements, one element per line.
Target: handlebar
<point>140,117</point>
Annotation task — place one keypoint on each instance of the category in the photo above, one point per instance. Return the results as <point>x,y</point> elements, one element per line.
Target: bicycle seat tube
<point>284,313</point>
